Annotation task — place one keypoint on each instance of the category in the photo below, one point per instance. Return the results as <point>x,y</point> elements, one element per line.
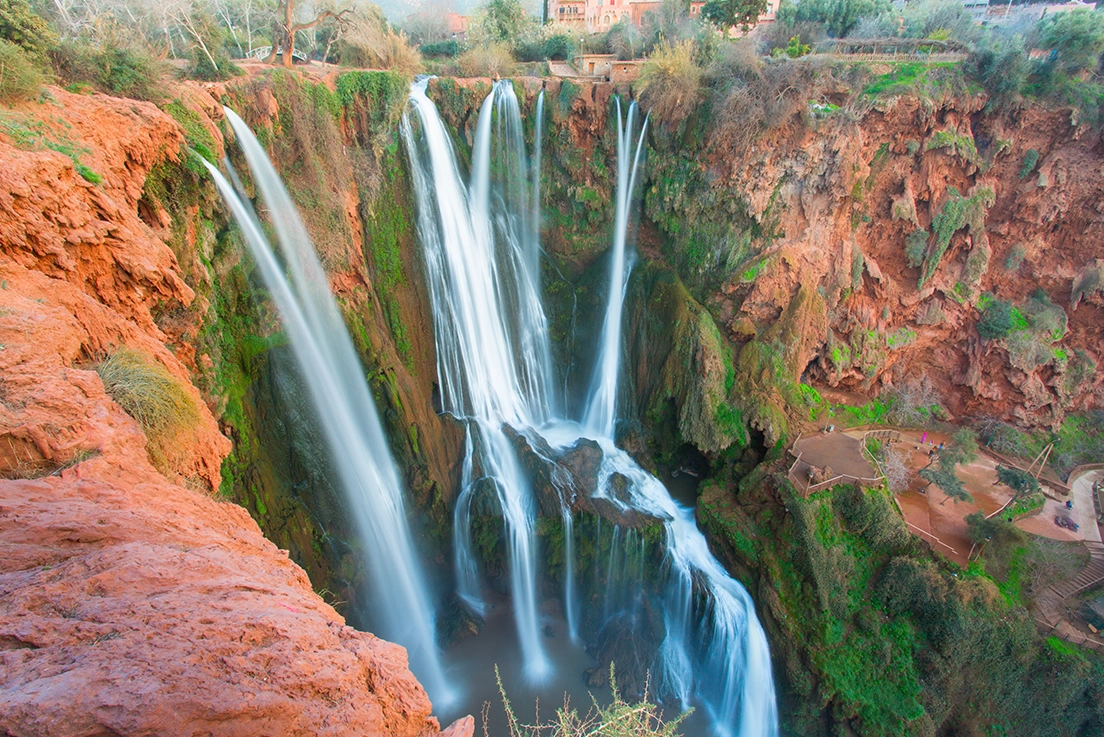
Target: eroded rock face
<point>130,603</point>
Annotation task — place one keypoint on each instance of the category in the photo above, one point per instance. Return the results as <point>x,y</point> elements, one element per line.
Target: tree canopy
<point>728,13</point>
<point>838,16</point>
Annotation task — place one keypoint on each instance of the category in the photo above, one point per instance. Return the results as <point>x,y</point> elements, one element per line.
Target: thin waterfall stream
<point>481,251</point>
<point>333,374</point>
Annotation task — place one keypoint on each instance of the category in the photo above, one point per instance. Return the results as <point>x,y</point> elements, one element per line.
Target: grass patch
<point>146,390</point>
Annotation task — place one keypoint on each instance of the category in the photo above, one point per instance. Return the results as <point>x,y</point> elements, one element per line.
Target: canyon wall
<point>132,599</point>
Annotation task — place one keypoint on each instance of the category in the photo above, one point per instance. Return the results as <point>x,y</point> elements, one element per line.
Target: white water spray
<point>346,412</point>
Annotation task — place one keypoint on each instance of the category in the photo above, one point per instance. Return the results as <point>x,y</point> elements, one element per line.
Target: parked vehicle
<point>1066,522</point>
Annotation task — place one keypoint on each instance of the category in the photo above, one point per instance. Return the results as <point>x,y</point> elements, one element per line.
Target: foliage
<point>1031,158</point>
<point>962,449</point>
<point>380,96</point>
<point>957,144</point>
<point>947,481</point>
<point>20,77</point>
<point>20,25</point>
<point>940,19</point>
<point>839,16</point>
<point>115,68</point>
<point>199,138</point>
<point>494,60</point>
<point>728,13</point>
<point>619,719</point>
<point>958,212</point>
<point>1076,35</point>
<point>982,529</point>
<point>154,397</point>
<point>1000,65</point>
<point>998,319</point>
<point>498,22</point>
<point>670,82</point>
<point>369,41</point>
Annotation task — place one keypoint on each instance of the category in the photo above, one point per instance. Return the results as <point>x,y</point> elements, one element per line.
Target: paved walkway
<point>838,450</point>
<point>1084,511</point>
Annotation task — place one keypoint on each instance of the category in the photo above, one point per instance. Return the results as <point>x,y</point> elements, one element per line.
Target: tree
<point>728,13</point>
<point>1076,35</point>
<point>840,16</point>
<point>23,27</point>
<point>286,28</point>
<point>1020,482</point>
<point>963,448</point>
<point>500,21</point>
<point>946,480</point>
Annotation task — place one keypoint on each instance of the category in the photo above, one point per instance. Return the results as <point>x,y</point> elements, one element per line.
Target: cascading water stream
<point>718,649</point>
<point>477,266</point>
<point>493,360</point>
<point>346,413</point>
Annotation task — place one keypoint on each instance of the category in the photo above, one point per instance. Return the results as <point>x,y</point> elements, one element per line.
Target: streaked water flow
<point>401,609</point>
<point>481,252</point>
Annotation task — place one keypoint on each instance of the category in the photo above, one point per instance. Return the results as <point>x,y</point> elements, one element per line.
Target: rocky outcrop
<point>131,600</point>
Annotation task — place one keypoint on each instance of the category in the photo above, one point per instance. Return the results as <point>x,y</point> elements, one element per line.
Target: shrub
<point>118,69</point>
<point>938,19</point>
<point>916,245</point>
<point>486,61</point>
<point>370,42</point>
<point>670,82</point>
<point>154,397</point>
<point>20,78</point>
<point>619,719</point>
<point>1076,35</point>
<point>1000,65</point>
<point>997,320</point>
<point>1031,159</point>
<point>839,16</point>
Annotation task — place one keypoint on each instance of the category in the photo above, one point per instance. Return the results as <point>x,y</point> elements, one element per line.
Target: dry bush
<point>494,60</point>
<point>896,468</point>
<point>670,83</point>
<point>155,398</point>
<point>763,98</point>
<point>370,42</point>
<point>20,77</point>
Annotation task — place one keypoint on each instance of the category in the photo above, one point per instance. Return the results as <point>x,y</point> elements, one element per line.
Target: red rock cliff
<point>132,602</point>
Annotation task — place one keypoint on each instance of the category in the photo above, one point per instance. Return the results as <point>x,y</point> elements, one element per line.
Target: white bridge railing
<point>262,52</point>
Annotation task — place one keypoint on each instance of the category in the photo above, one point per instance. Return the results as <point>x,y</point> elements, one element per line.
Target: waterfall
<point>493,359</point>
<point>346,412</point>
<point>716,649</point>
<point>601,409</point>
<point>481,257</point>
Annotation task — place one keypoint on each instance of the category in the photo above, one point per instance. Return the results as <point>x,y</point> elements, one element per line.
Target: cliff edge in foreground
<point>131,602</point>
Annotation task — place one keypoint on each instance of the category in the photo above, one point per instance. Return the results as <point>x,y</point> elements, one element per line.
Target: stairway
<point>1049,604</point>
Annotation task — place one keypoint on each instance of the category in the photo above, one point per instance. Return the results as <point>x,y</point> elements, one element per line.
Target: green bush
<point>671,82</point>
<point>117,69</point>
<point>1076,35</point>
<point>1031,159</point>
<point>20,77</point>
<point>997,320</point>
<point>838,16</point>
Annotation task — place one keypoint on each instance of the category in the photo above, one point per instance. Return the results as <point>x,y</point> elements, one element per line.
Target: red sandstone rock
<point>130,605</point>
